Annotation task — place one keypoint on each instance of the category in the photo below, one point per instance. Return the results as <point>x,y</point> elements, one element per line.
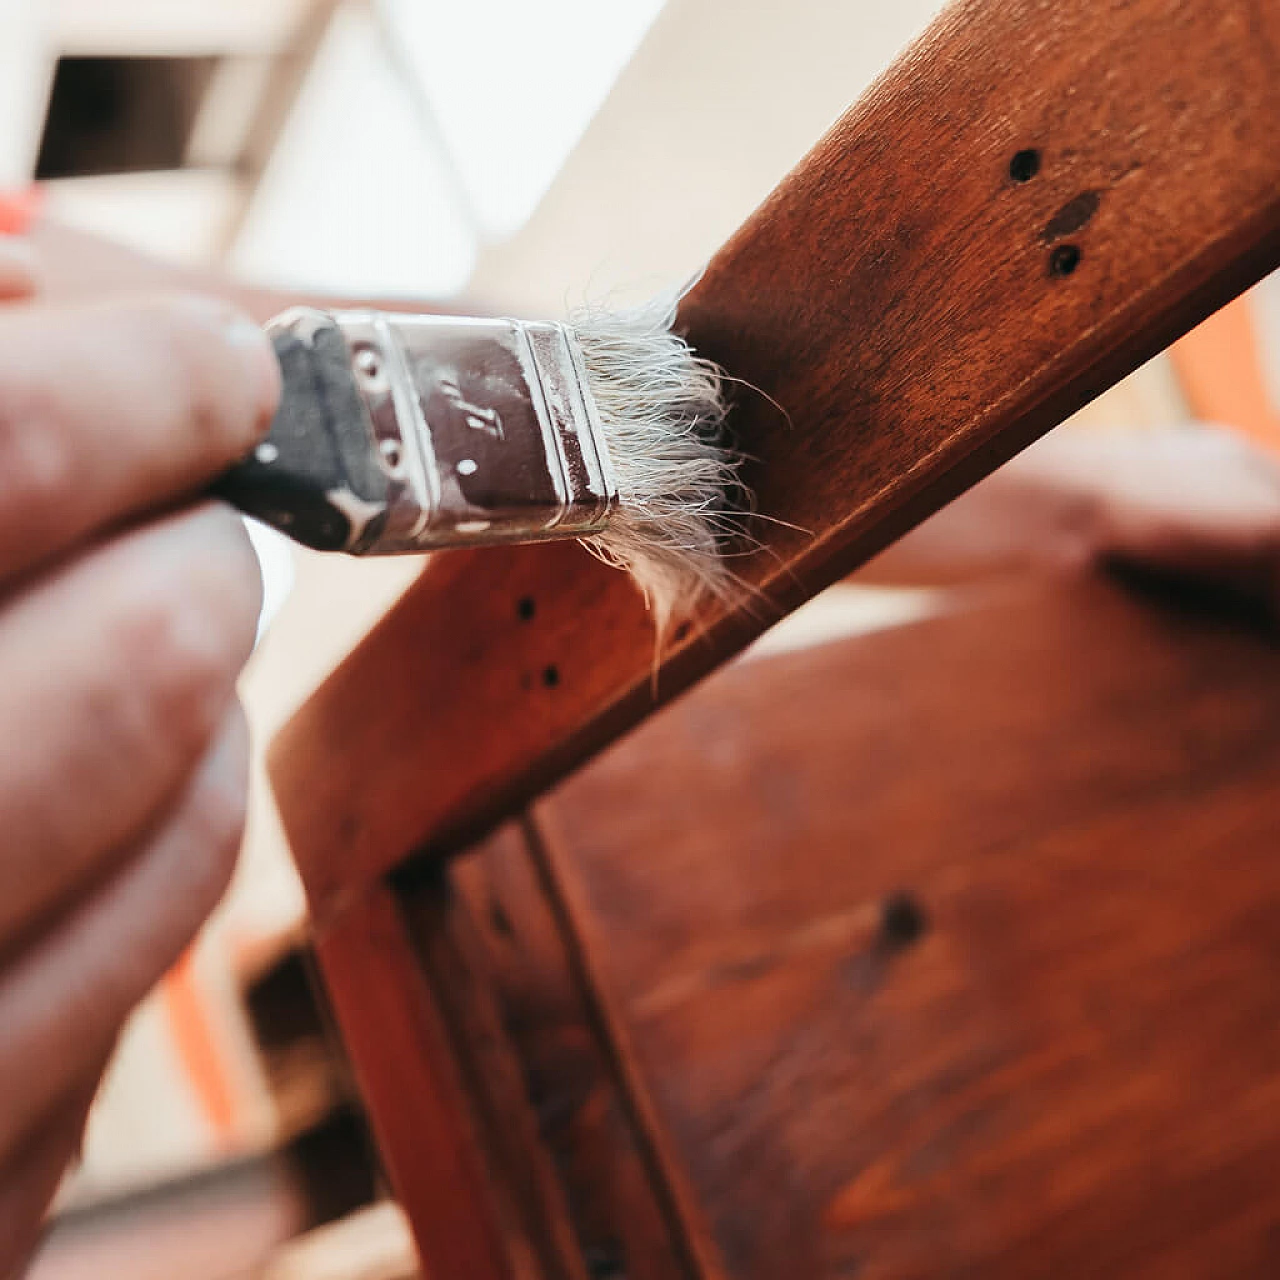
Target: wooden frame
<point>897,295</point>
<point>1031,202</point>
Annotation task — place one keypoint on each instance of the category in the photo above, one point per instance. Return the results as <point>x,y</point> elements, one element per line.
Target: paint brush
<point>411,433</point>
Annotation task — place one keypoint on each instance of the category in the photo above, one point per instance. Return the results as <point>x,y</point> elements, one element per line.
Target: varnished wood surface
<point>539,1239</point>
<point>906,300</point>
<point>945,951</point>
<point>495,1100</point>
<point>952,951</point>
<point>624,1214</point>
<point>918,311</point>
<point>415,1090</point>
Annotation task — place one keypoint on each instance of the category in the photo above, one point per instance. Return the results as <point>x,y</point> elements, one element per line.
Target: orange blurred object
<point>1220,366</point>
<point>19,209</point>
<point>196,1042</point>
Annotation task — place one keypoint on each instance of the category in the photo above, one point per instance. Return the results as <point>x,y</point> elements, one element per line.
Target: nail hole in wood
<point>1064,260</point>
<point>605,1263</point>
<point>551,677</point>
<point>1072,217</point>
<point>499,919</point>
<point>902,920</point>
<point>1025,165</point>
<point>526,608</point>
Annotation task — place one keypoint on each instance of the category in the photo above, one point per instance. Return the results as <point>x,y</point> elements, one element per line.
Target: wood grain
<point>618,1200</point>
<point>540,1237</point>
<point>421,1112</point>
<point>918,311</point>
<point>938,968</point>
<point>493,1095</point>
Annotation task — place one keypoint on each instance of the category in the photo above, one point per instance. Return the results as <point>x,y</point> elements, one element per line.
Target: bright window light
<point>26,71</point>
<point>275,558</point>
<point>356,202</point>
<point>513,84</point>
<point>1267,309</point>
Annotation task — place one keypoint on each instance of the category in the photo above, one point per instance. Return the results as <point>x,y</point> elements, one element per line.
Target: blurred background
<point>521,154</point>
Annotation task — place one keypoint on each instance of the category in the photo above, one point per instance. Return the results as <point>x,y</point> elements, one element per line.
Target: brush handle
<point>319,457</point>
<point>406,433</point>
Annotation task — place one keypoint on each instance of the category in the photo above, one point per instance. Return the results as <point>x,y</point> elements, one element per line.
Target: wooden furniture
<point>1033,200</point>
<point>945,950</point>
<point>898,298</point>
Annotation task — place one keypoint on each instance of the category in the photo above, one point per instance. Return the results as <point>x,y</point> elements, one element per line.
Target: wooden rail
<point>1037,197</point>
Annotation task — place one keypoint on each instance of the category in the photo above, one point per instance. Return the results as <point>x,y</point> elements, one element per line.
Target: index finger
<point>109,411</point>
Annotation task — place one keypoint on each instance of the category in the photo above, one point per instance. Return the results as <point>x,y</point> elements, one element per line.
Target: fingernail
<point>19,268</point>
<point>246,336</point>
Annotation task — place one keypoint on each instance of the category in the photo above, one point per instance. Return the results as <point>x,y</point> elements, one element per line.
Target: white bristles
<point>662,412</point>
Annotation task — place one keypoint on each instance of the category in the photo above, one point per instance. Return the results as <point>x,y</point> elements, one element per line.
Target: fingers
<point>109,412</point>
<point>1189,502</point>
<point>19,270</point>
<point>1205,490</point>
<point>122,775</point>
<point>1198,505</point>
<point>64,1000</point>
<point>117,672</point>
<point>29,1183</point>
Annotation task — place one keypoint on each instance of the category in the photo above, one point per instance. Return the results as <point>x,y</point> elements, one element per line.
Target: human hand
<point>125,616</point>
<point>1195,503</point>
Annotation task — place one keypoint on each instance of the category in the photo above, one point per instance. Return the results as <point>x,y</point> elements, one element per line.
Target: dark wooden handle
<point>320,445</point>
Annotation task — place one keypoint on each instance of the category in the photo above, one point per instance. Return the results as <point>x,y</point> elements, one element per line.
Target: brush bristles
<point>662,412</point>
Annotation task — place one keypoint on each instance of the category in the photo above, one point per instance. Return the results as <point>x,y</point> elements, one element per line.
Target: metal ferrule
<point>486,429</point>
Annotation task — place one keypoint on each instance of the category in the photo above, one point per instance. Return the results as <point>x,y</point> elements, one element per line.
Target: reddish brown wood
<point>508,1138</point>
<point>486,1150</point>
<point>625,1217</point>
<point>952,951</point>
<point>825,1097</point>
<point>419,1105</point>
<point>540,1236</point>
<point>918,311</point>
